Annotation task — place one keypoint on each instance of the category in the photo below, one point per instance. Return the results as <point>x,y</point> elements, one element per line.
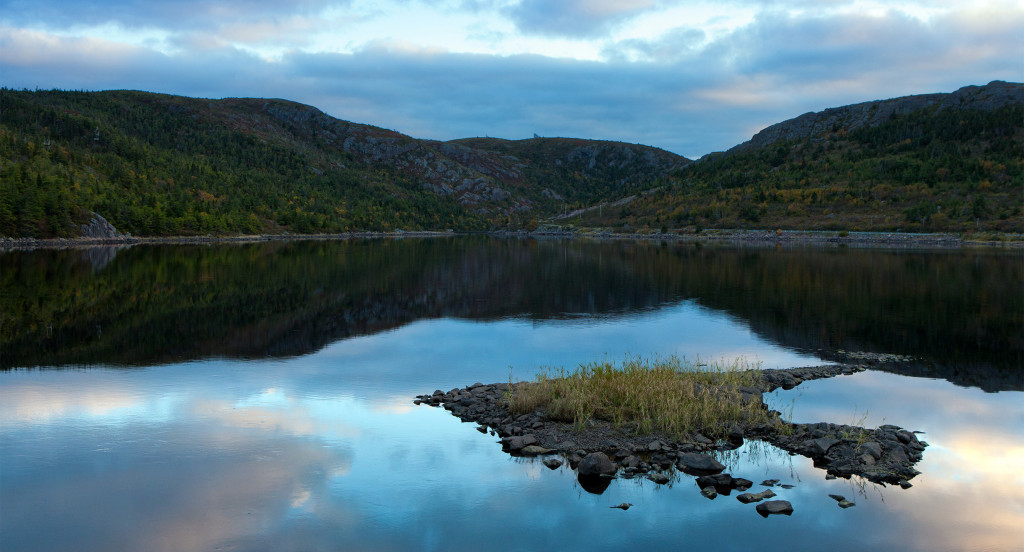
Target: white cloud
<point>691,77</point>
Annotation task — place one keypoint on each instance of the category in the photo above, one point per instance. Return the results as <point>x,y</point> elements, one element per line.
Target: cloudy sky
<point>689,76</point>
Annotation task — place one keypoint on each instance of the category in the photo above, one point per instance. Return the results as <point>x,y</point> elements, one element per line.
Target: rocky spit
<point>600,451</point>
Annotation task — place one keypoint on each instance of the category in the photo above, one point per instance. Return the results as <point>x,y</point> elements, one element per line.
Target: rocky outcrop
<point>992,96</point>
<point>601,450</point>
<point>99,228</point>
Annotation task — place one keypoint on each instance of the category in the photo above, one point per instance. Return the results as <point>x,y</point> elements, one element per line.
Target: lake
<point>259,396</point>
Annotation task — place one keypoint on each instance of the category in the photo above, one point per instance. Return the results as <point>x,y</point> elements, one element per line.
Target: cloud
<point>574,18</point>
<point>165,14</point>
<point>684,90</point>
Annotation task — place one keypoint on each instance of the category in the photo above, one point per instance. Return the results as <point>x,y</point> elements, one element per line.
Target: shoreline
<point>738,237</point>
<point>601,451</point>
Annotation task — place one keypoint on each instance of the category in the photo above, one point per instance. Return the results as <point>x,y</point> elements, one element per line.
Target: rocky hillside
<point>154,164</point>
<point>994,95</point>
<point>934,163</point>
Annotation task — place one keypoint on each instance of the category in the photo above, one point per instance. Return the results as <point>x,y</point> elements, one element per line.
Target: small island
<point>646,419</point>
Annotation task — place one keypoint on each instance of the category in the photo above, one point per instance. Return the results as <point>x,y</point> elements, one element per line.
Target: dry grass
<point>670,395</point>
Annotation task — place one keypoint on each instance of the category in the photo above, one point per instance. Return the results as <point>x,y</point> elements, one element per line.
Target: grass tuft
<point>671,396</point>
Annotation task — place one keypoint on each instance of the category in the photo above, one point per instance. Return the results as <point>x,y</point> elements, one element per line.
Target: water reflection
<point>169,304</point>
<point>265,456</point>
<point>270,405</point>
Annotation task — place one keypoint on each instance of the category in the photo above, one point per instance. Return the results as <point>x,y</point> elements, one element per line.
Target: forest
<point>927,171</point>
<point>159,165</point>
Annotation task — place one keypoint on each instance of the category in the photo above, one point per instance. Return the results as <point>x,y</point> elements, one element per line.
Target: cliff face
<point>990,97</point>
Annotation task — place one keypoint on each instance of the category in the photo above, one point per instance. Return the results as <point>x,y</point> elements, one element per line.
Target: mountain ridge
<point>851,117</point>
<point>159,165</point>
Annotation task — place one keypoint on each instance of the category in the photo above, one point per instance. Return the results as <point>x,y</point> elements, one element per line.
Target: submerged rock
<point>748,498</point>
<point>774,507</point>
<point>659,478</point>
<point>552,463</point>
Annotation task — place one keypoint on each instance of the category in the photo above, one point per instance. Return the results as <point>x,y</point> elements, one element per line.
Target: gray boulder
<point>701,463</point>
<point>516,443</point>
<point>595,464</point>
<point>747,498</point>
<point>775,507</point>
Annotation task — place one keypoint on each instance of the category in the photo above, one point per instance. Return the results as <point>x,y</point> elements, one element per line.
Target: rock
<point>516,443</point>
<point>699,463</point>
<point>872,448</point>
<point>623,506</point>
<point>844,504</point>
<point>735,435</point>
<point>898,455</point>
<point>747,498</point>
<point>659,478</point>
<point>837,498</point>
<point>552,463</point>
<point>905,484</point>
<point>770,482</point>
<point>534,450</point>
<point>786,486</point>
<point>820,446</point>
<point>595,464</point>
<point>775,507</point>
<point>99,228</point>
<point>720,481</point>
<point>654,446</point>
<point>709,492</point>
<point>741,484</point>
<point>631,461</point>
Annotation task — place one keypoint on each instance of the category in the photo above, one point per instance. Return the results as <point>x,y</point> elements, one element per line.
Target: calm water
<point>258,397</point>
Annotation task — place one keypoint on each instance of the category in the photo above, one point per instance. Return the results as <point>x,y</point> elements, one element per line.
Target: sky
<point>691,77</point>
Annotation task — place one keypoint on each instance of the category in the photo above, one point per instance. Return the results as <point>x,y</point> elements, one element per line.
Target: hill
<point>937,162</point>
<point>154,164</point>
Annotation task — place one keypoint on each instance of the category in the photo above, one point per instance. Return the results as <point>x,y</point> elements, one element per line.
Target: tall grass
<point>667,395</point>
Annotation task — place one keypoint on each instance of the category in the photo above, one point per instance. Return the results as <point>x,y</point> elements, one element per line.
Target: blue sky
<point>689,77</point>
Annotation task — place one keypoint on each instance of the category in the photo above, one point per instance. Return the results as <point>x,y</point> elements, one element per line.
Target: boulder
<point>820,446</point>
<point>659,478</point>
<point>747,498</point>
<point>552,463</point>
<point>720,481</point>
<point>695,462</point>
<point>741,484</point>
<point>709,492</point>
<point>534,450</point>
<point>872,448</point>
<point>595,464</point>
<point>775,507</point>
<point>516,443</point>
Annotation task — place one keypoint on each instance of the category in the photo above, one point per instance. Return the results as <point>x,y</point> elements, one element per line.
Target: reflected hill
<point>958,310</point>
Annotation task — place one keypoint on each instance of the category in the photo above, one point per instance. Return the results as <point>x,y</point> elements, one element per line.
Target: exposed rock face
<point>99,228</point>
<point>484,174</point>
<point>992,96</point>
